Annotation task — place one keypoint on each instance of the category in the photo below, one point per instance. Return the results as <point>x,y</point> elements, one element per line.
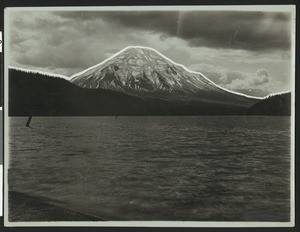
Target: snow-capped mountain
<point>146,73</point>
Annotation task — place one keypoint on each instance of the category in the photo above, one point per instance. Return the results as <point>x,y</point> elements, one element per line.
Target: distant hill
<point>52,96</point>
<point>277,105</point>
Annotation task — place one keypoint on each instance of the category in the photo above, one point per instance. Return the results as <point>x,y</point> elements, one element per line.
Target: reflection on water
<point>156,168</point>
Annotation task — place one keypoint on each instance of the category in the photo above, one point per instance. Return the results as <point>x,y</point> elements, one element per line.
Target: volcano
<point>145,73</point>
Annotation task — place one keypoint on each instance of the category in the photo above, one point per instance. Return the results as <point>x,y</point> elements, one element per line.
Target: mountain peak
<point>138,49</point>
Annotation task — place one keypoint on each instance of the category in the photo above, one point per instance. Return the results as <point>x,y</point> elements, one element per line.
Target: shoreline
<point>26,208</point>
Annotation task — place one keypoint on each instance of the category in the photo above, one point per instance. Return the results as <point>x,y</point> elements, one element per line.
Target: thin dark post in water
<point>29,119</point>
<point>116,117</point>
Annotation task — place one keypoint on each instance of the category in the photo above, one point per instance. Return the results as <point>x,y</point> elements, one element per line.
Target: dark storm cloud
<point>163,22</point>
<point>223,29</point>
<point>238,30</point>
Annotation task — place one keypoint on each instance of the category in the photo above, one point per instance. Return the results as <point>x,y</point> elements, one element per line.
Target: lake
<point>156,168</point>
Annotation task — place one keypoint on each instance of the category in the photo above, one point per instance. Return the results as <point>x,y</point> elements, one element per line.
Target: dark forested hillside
<point>50,96</point>
<point>278,105</point>
<point>55,96</point>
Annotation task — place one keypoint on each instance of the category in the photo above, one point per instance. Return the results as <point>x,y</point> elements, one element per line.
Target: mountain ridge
<point>10,67</point>
<point>39,72</point>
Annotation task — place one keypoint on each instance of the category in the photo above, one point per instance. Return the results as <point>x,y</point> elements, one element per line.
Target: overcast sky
<point>249,52</point>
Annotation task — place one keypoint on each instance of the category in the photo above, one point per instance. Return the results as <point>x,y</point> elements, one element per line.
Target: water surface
<point>156,168</point>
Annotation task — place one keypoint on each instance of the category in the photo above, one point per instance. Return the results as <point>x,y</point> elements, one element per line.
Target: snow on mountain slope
<point>144,72</point>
